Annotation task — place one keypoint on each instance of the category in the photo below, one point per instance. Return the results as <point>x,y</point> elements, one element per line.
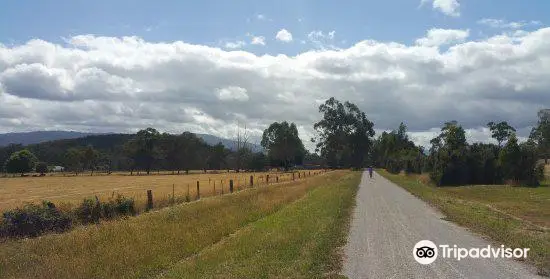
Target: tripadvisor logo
<point>426,252</point>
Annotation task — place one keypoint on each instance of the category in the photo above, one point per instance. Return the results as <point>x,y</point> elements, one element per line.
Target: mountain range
<point>26,138</point>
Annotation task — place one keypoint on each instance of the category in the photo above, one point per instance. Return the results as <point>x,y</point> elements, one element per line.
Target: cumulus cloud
<point>441,37</point>
<point>503,24</point>
<point>448,7</point>
<point>258,40</point>
<point>284,36</point>
<point>111,84</point>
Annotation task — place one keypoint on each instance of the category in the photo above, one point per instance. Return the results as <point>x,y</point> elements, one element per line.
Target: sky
<point>212,66</point>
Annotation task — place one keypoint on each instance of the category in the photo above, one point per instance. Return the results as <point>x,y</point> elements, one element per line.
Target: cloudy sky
<point>204,66</point>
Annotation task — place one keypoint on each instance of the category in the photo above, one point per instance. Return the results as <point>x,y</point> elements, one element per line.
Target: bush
<point>33,220</point>
<point>92,210</point>
<point>123,206</point>
<point>89,211</point>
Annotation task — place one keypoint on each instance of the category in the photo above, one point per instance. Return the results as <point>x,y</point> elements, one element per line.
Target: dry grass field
<point>69,191</point>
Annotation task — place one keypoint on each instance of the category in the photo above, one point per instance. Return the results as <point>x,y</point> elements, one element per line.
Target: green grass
<point>514,216</point>
<point>150,244</point>
<point>300,241</point>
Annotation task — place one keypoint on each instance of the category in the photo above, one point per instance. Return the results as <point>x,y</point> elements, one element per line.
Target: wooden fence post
<point>251,181</point>
<point>267,179</point>
<point>299,174</point>
<point>231,186</point>
<point>198,191</point>
<point>292,176</point>
<point>149,200</point>
<point>277,179</point>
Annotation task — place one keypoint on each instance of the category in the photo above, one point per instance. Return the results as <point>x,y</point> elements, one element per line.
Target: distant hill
<point>28,138</point>
<point>39,136</point>
<point>230,144</point>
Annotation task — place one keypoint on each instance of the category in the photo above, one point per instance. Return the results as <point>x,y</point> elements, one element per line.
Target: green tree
<point>74,160</point>
<point>41,168</point>
<point>541,134</point>
<point>90,158</point>
<point>501,131</point>
<point>21,162</point>
<point>519,162</point>
<point>283,144</point>
<point>344,134</point>
<point>395,152</point>
<point>218,156</point>
<point>257,162</point>
<point>449,156</point>
<point>144,150</point>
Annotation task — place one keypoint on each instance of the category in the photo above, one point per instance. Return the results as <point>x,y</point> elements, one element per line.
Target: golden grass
<point>70,190</point>
<point>149,244</point>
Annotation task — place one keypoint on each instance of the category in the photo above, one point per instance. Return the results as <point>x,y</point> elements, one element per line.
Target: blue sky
<point>206,66</point>
<point>216,22</point>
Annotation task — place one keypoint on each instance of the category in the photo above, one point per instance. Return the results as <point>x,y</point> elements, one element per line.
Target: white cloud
<point>235,45</point>
<point>503,24</point>
<point>441,37</point>
<point>258,40</point>
<point>284,36</point>
<point>233,93</point>
<point>448,7</point>
<point>109,84</point>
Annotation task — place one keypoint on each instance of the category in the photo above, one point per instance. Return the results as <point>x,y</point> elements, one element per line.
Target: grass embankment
<point>300,241</point>
<point>514,216</point>
<point>151,244</point>
<point>69,191</point>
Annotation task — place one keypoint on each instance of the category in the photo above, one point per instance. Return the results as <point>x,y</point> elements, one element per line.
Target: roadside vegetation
<point>300,241</point>
<point>150,244</point>
<point>510,215</point>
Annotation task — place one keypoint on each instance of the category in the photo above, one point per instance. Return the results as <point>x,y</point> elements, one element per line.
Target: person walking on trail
<point>370,172</point>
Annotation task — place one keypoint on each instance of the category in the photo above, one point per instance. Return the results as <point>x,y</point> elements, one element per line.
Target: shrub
<point>92,210</point>
<point>124,205</point>
<point>33,220</point>
<point>89,211</point>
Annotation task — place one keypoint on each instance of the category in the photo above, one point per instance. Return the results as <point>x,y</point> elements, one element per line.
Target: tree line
<point>344,138</point>
<point>451,160</point>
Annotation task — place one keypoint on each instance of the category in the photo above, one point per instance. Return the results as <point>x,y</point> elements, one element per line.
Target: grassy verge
<point>146,245</point>
<point>514,216</point>
<point>299,241</point>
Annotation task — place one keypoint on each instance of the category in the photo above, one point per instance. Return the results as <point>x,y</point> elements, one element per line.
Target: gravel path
<point>387,223</point>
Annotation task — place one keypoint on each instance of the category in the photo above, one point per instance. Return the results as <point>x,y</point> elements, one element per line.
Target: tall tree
<point>541,134</point>
<point>283,144</point>
<point>510,159</point>
<point>344,134</point>
<point>501,131</point>
<point>90,158</point>
<point>74,159</point>
<point>218,156</point>
<point>449,157</point>
<point>144,148</point>
<point>21,162</point>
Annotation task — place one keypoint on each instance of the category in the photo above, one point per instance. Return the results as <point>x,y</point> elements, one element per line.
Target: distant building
<point>58,169</point>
